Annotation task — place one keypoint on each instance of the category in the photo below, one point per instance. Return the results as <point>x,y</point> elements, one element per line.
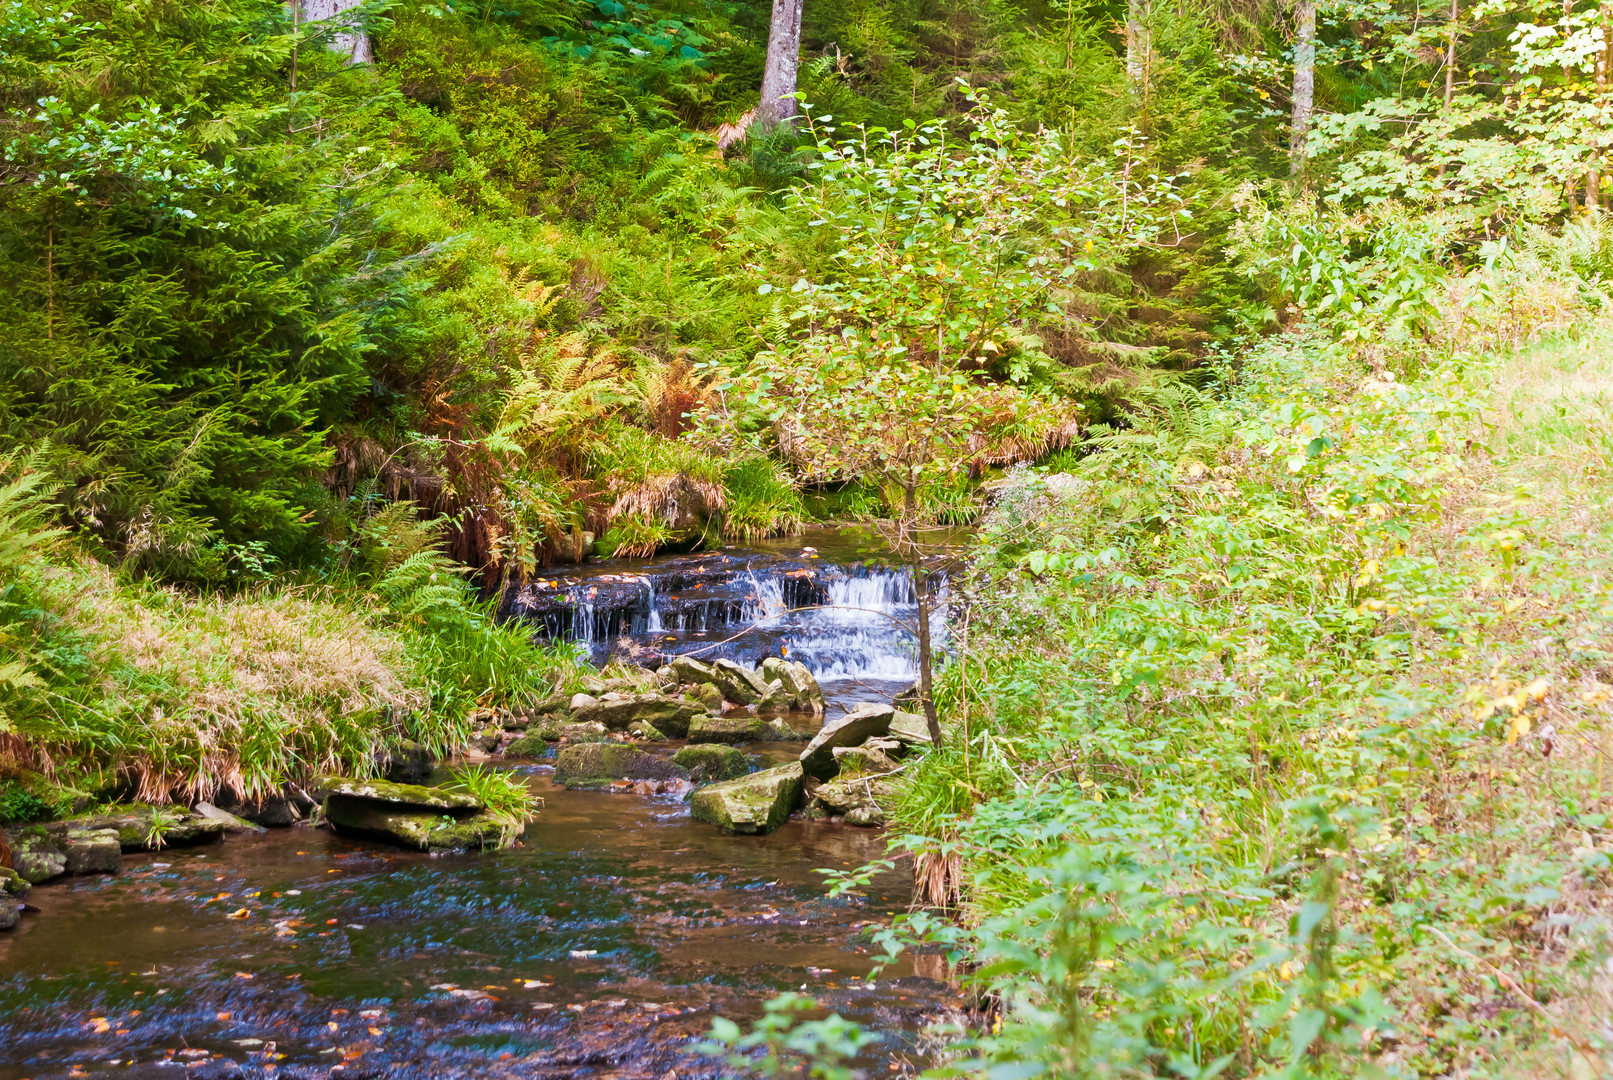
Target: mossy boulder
<point>92,851</point>
<point>758,803</point>
<point>643,729</point>
<point>140,827</point>
<point>597,764</point>
<point>12,884</point>
<point>738,683</point>
<point>804,692</point>
<point>706,695</point>
<point>414,816</point>
<point>726,729</point>
<point>668,714</point>
<point>712,761</point>
<point>409,762</point>
<point>686,669</point>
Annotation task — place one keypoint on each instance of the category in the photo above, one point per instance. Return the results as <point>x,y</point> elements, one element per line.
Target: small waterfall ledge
<point>843,618</point>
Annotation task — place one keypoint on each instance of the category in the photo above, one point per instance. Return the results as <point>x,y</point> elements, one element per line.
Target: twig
<point>1527,998</point>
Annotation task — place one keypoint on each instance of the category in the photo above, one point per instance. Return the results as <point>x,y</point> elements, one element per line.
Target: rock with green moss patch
<point>643,729</point>
<point>758,803</point>
<point>726,729</point>
<point>738,683</point>
<point>536,743</point>
<point>423,818</point>
<point>597,764</point>
<point>36,857</point>
<point>712,761</point>
<point>408,762</point>
<point>669,714</point>
<point>707,695</point>
<point>92,851</point>
<point>13,884</point>
<point>686,669</point>
<point>141,827</point>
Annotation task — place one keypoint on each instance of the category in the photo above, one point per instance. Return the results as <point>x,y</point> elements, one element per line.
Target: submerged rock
<point>424,818</point>
<point>712,761</point>
<point>597,764</point>
<point>668,714</point>
<point>777,728</point>
<point>725,729</point>
<point>758,803</point>
<point>850,730</point>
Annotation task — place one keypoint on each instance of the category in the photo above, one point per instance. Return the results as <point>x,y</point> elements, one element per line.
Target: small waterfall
<point>652,622</point>
<point>846,621</point>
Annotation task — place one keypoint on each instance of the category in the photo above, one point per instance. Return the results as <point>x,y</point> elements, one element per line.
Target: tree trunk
<point>1450,58</point>
<point>1299,123</point>
<point>353,43</point>
<point>1139,44</point>
<point>921,587</point>
<point>1593,179</point>
<point>777,105</point>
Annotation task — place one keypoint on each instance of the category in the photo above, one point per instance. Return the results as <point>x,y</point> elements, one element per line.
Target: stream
<point>602,946</point>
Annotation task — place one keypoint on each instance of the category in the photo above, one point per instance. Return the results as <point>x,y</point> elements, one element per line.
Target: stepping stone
<point>758,803</point>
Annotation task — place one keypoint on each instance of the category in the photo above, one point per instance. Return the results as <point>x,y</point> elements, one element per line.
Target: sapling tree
<point>914,363</point>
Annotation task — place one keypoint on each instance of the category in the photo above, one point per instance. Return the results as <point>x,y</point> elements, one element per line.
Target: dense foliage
<point>1274,727</point>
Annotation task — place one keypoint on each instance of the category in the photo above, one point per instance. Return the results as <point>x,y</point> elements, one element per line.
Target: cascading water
<point>849,620</point>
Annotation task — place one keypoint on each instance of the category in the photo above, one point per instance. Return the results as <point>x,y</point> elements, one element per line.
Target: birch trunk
<point>1299,123</point>
<point>352,43</point>
<point>777,105</point>
<point>1139,44</point>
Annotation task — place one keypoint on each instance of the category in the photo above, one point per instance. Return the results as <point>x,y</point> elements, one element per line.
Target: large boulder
<point>853,729</point>
<point>712,761</point>
<point>670,715</point>
<point>597,764</point>
<point>424,818</point>
<point>726,729</point>
<point>738,683</point>
<point>805,693</point>
<point>757,803</point>
<point>686,669</point>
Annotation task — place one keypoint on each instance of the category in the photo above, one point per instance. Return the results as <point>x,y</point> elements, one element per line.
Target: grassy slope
<point>1292,756</point>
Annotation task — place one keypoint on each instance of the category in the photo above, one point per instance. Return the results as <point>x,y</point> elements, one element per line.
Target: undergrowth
<point>1283,729</point>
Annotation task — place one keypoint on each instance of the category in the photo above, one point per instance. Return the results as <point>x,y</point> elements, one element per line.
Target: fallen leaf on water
<point>239,913</point>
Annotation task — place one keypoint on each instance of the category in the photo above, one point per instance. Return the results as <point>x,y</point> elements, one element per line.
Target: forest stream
<point>603,945</point>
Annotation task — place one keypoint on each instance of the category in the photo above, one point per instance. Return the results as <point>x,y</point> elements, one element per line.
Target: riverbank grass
<point>1286,731</point>
<point>112,687</point>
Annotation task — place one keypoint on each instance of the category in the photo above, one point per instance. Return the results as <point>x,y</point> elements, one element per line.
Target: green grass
<point>1285,736</point>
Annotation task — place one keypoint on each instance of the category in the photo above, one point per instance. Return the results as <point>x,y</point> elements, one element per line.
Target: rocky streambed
<point>668,879</point>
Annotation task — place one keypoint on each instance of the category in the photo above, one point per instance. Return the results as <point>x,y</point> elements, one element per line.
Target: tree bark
<point>1299,123</point>
<point>353,44</point>
<point>1450,58</point>
<point>778,105</point>
<point>921,588</point>
<point>1139,44</point>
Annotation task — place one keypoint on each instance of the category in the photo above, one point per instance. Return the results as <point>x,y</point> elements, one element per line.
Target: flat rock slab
<point>598,764</point>
<point>412,796</point>
<point>418,828</point>
<point>758,803</point>
<point>146,828</point>
<point>712,761</point>
<point>726,729</point>
<point>853,729</point>
<point>230,822</point>
<point>670,715</point>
